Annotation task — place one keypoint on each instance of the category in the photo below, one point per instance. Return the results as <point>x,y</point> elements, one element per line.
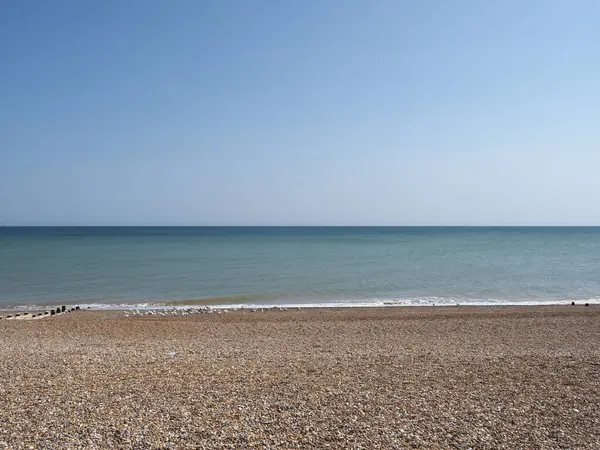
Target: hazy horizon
<point>296,226</point>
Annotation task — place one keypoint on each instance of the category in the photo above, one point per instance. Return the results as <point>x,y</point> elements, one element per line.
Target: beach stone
<point>26,314</point>
<point>77,308</point>
<point>17,315</point>
<point>587,304</point>
<point>52,312</point>
<point>572,303</point>
<point>63,308</point>
<point>9,316</point>
<point>45,313</point>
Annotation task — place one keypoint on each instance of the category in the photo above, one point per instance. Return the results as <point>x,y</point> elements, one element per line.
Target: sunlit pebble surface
<point>497,378</point>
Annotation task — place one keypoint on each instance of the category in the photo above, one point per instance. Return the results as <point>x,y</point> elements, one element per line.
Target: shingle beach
<point>447,378</point>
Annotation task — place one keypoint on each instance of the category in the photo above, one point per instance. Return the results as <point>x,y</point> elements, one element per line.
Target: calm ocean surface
<point>112,266</point>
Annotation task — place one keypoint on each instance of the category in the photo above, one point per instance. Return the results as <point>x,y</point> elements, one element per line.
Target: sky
<point>328,112</point>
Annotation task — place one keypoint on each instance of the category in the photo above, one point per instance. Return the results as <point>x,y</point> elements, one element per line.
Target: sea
<point>224,267</point>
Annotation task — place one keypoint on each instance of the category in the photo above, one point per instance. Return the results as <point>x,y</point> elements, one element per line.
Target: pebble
<point>327,379</point>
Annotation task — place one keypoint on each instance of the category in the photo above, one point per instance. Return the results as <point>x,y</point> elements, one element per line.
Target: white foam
<point>364,303</point>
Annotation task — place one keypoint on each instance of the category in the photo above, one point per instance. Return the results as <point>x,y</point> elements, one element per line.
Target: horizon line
<point>292,226</point>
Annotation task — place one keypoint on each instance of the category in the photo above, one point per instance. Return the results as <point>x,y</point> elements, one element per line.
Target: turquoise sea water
<point>112,266</point>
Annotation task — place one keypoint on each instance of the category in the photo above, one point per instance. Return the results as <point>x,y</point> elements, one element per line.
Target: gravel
<point>456,378</point>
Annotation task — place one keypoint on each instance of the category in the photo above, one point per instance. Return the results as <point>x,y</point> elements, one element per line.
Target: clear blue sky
<point>334,112</point>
